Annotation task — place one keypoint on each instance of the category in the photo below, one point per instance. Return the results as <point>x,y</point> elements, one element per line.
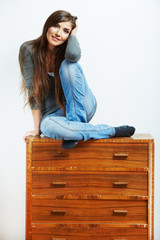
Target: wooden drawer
<point>90,232</point>
<point>103,211</point>
<point>48,237</point>
<point>89,183</point>
<point>90,156</point>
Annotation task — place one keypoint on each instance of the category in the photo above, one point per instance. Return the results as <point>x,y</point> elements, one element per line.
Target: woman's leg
<point>86,96</point>
<point>59,127</point>
<point>80,108</point>
<point>72,76</point>
<point>80,101</point>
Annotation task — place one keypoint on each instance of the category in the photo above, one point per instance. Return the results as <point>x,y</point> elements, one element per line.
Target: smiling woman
<point>61,101</point>
<point>58,34</point>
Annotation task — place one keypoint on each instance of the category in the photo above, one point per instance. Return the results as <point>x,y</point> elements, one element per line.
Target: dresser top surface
<point>136,138</point>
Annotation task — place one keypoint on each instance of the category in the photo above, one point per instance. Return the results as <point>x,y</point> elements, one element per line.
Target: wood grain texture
<point>89,232</point>
<point>92,211</point>
<point>28,232</point>
<point>102,189</point>
<point>136,138</point>
<point>151,193</point>
<point>75,237</point>
<point>89,183</point>
<point>100,155</point>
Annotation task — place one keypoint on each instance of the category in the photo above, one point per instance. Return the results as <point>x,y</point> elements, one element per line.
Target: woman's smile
<point>55,39</point>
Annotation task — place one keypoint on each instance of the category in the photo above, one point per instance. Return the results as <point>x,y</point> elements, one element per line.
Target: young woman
<point>61,101</point>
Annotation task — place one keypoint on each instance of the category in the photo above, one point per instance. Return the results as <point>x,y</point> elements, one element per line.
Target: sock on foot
<point>68,144</point>
<point>124,131</point>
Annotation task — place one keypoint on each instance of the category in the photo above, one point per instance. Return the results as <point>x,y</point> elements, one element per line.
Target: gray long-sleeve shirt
<point>49,104</point>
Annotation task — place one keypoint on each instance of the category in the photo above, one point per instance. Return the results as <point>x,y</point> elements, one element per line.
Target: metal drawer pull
<point>58,212</point>
<point>64,239</point>
<point>121,155</point>
<point>119,239</point>
<point>120,212</point>
<point>120,184</point>
<point>59,184</point>
<point>60,154</point>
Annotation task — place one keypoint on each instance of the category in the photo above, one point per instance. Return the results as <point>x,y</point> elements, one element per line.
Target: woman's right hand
<point>30,133</point>
<point>74,31</point>
<point>37,119</point>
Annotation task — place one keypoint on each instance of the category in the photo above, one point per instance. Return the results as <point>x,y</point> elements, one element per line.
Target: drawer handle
<point>58,212</point>
<point>62,239</point>
<point>120,155</point>
<point>120,184</point>
<point>119,239</point>
<point>120,212</point>
<point>60,154</point>
<point>59,184</point>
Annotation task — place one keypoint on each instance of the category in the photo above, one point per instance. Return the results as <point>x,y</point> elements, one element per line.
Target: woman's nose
<point>58,32</point>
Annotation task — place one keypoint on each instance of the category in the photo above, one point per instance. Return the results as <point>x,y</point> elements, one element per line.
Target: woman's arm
<point>27,72</point>
<point>37,119</point>
<point>73,51</point>
<point>28,69</point>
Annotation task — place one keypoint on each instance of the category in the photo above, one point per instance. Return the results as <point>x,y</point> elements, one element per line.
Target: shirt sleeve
<point>73,51</point>
<point>28,71</point>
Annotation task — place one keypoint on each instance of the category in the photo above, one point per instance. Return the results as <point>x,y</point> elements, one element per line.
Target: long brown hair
<point>40,80</point>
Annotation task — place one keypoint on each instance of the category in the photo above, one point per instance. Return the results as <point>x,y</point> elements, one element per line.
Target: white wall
<point>120,57</point>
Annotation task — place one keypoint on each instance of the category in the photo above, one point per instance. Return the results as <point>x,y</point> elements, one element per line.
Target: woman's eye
<point>66,31</point>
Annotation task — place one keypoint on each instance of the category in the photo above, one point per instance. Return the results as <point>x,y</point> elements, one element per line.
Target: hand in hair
<point>74,31</point>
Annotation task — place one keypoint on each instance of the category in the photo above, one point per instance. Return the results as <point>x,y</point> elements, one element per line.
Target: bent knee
<point>68,69</point>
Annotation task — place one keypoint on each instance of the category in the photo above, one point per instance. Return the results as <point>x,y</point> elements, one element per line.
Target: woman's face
<point>58,34</point>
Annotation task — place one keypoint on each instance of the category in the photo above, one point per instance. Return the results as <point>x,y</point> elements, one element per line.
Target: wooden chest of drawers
<point>100,190</point>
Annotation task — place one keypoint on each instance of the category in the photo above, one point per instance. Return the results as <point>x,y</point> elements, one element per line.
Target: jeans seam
<point>73,129</point>
<point>91,114</point>
<point>71,90</point>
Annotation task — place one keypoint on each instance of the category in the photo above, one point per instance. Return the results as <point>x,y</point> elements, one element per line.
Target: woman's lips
<point>55,39</point>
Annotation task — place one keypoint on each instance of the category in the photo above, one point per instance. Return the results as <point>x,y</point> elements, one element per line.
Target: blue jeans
<point>80,108</point>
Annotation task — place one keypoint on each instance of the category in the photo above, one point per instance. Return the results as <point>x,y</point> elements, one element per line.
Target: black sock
<point>68,144</point>
<point>124,131</point>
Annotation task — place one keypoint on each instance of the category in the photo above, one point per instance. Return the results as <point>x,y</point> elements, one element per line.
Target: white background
<point>120,42</point>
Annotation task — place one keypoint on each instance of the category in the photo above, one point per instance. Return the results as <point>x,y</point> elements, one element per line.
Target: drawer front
<point>74,237</point>
<point>89,183</point>
<point>88,233</point>
<point>90,156</point>
<point>104,211</point>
